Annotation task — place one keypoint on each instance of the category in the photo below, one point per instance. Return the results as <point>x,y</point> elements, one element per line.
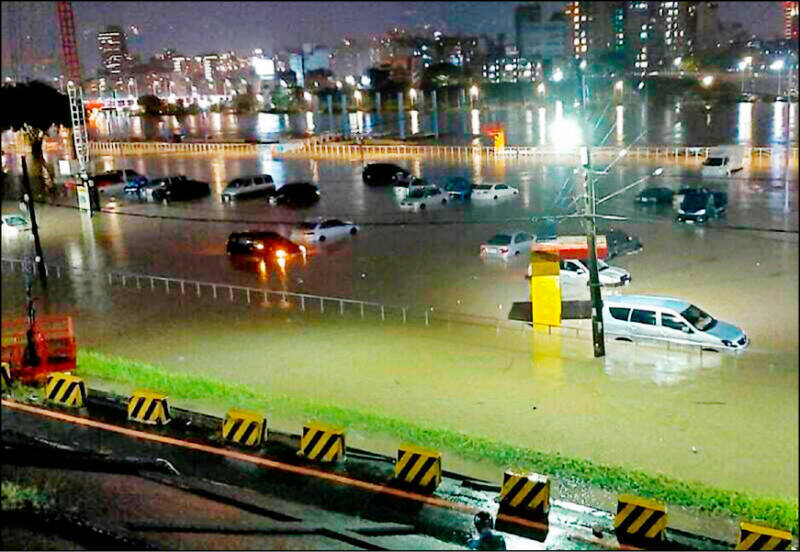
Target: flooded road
<point>709,418</point>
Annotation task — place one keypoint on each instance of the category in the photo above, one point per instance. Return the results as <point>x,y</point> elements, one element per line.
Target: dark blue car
<point>458,187</point>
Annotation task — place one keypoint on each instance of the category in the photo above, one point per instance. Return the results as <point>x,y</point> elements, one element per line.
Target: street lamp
<point>707,81</point>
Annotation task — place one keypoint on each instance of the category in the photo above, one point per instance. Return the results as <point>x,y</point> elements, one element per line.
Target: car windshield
<point>500,239</point>
<point>601,265</point>
<point>483,187</point>
<point>16,221</point>
<point>714,162</point>
<point>693,202</point>
<point>307,225</point>
<point>699,319</point>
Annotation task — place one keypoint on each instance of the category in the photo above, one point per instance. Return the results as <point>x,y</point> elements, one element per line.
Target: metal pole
<point>28,198</point>
<point>598,336</point>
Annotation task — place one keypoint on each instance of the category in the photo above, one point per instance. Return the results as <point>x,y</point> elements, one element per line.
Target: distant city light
<point>708,80</point>
<point>618,86</point>
<point>473,91</point>
<point>350,79</point>
<point>557,75</point>
<point>678,61</point>
<point>777,65</point>
<point>540,88</point>
<point>365,80</point>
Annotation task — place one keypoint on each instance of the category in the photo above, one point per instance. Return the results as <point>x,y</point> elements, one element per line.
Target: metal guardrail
<point>308,301</point>
<point>654,152</point>
<point>305,301</point>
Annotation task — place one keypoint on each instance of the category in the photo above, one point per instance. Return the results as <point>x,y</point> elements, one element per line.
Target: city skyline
<point>254,24</point>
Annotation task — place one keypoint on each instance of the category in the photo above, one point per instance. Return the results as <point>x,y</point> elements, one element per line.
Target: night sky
<point>201,27</point>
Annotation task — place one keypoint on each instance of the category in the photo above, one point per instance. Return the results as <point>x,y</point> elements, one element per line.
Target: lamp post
<point>598,334</point>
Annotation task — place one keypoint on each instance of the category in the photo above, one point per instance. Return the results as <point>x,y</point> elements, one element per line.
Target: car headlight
<point>701,212</point>
<point>681,212</point>
<point>728,343</point>
<point>259,245</point>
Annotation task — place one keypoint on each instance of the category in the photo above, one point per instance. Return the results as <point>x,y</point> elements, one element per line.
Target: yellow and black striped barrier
<point>757,537</point>
<point>323,443</point>
<point>639,521</point>
<point>65,389</point>
<point>5,376</point>
<point>419,467</point>
<point>244,428</point>
<point>148,407</point>
<point>525,496</point>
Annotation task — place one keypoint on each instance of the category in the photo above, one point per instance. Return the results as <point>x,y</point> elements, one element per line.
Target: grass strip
<point>777,512</point>
<point>24,497</point>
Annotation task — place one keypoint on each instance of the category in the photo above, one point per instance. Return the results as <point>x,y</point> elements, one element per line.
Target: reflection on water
<point>414,121</point>
<point>476,122</point>
<point>661,367</point>
<point>744,124</point>
<point>778,130</point>
<point>620,125</point>
<point>310,121</point>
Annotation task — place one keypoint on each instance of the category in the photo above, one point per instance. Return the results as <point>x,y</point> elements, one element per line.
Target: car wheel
<point>495,197</point>
<point>444,201</point>
<point>353,231</point>
<point>422,207</point>
<point>322,238</point>
<point>516,253</point>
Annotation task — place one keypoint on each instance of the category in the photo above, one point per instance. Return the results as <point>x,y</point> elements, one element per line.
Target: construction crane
<point>87,194</point>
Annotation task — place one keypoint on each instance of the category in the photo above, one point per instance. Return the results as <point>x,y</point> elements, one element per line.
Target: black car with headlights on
<point>620,243</point>
<point>262,244</point>
<point>295,194</point>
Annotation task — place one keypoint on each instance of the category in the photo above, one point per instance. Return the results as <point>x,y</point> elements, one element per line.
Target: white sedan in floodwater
<point>320,230</point>
<point>493,191</point>
<point>507,245</point>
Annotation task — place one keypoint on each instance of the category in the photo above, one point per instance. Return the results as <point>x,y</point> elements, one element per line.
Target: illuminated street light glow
<point>618,86</point>
<point>708,80</point>
<point>473,91</point>
<point>566,134</point>
<point>678,61</point>
<point>557,75</point>
<point>307,96</point>
<point>777,65</point>
<point>540,88</point>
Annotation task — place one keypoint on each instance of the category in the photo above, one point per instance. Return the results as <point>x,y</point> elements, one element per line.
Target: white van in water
<point>723,161</point>
<point>664,319</point>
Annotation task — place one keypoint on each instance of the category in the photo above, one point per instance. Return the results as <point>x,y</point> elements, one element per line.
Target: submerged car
<point>295,194</point>
<point>262,244</point>
<point>493,191</point>
<point>389,174</point>
<point>424,197</point>
<point>248,186</point>
<point>655,196</point>
<point>181,190</point>
<point>621,243</point>
<point>576,271</point>
<point>665,319</point>
<point>458,188</point>
<point>508,244</point>
<point>119,176</point>
<point>700,205</point>
<point>14,224</point>
<point>321,230</point>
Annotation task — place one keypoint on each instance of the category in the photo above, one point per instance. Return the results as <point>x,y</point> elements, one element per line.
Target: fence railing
<point>304,301</point>
<point>312,303</point>
<point>654,152</point>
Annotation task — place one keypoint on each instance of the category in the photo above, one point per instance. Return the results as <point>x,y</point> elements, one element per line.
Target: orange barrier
<point>54,343</point>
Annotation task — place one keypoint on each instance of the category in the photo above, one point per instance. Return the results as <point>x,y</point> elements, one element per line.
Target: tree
<point>151,104</point>
<point>33,108</point>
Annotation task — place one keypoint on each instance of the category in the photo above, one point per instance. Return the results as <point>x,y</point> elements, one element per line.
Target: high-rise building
<point>702,26</point>
<point>591,28</point>
<point>790,20</point>
<point>538,39</point>
<point>113,52</point>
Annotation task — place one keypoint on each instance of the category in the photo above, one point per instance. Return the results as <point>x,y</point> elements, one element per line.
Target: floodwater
<point>646,123</point>
<point>727,420</point>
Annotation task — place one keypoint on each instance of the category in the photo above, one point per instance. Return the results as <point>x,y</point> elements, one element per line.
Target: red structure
<point>54,343</point>
<point>790,14</point>
<point>69,48</point>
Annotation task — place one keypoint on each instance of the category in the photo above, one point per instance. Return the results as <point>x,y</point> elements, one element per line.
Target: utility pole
<point>598,335</point>
<point>28,198</point>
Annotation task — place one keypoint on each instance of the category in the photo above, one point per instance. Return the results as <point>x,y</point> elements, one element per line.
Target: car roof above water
<point>678,305</point>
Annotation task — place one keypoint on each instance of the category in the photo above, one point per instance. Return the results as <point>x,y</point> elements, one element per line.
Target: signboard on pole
<point>83,198</point>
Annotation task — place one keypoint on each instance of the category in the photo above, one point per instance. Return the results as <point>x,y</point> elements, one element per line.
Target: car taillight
<point>504,250</point>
